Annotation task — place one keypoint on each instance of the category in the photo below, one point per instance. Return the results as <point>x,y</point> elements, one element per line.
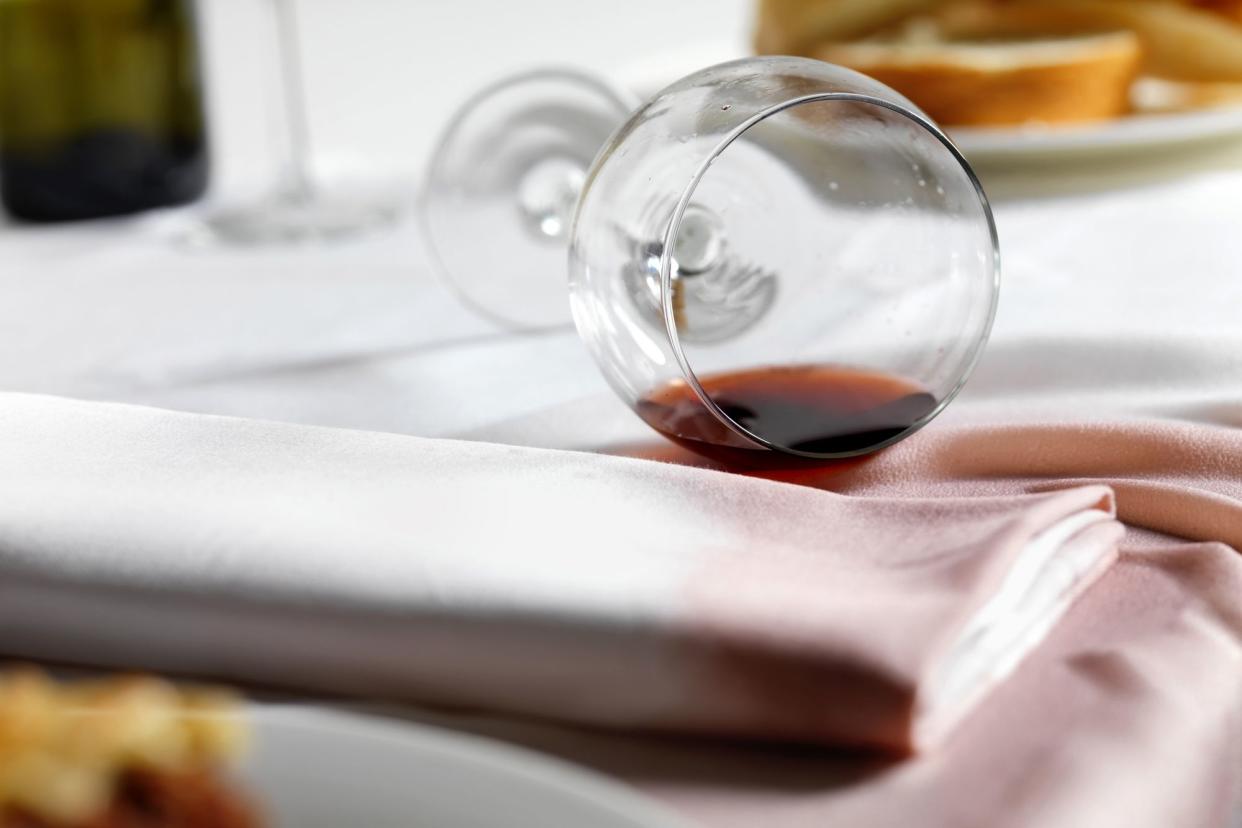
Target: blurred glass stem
<point>297,184</point>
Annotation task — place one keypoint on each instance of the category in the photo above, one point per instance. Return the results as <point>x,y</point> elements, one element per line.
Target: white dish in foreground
<point>648,75</point>
<point>315,768</point>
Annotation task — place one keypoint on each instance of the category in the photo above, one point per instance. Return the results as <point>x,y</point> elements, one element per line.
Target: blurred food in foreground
<point>1006,62</point>
<point>117,753</point>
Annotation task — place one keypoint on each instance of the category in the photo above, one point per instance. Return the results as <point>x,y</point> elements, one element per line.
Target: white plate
<point>1133,133</point>
<point>651,73</point>
<point>314,768</point>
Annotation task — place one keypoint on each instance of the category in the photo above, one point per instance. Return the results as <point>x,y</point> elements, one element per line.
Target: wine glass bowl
<point>779,254</point>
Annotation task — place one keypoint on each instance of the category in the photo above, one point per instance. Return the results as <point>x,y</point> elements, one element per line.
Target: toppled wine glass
<point>770,255</point>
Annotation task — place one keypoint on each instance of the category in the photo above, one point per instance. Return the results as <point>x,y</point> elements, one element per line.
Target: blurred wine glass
<point>300,209</point>
<point>500,190</point>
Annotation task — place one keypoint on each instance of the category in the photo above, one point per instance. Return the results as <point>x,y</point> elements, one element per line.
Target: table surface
<point>1122,290</point>
<point>1102,253</point>
<point>1117,298</point>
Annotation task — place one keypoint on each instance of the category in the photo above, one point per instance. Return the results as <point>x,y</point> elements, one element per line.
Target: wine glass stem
<point>297,184</point>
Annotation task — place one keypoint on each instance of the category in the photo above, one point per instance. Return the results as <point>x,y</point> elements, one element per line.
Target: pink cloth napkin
<point>1129,714</point>
<point>579,587</point>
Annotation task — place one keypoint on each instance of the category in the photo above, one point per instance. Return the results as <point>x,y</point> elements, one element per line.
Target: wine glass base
<point>500,190</point>
<point>280,221</point>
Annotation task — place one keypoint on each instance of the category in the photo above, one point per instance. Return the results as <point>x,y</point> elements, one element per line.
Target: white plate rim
<point>554,775</point>
<point>1130,132</point>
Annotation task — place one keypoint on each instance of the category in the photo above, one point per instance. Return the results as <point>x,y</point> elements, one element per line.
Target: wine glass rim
<point>674,227</point>
<point>606,91</point>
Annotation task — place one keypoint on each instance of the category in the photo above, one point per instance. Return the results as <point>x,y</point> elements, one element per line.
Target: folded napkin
<point>586,588</point>
<point>1129,713</point>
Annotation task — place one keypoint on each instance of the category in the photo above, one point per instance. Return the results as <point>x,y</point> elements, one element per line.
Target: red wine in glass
<point>818,409</point>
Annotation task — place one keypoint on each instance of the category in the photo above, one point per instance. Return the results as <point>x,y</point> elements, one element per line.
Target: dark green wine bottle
<point>101,107</point>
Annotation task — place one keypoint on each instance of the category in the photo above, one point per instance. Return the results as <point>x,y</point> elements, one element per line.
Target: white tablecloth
<point>1122,291</point>
<point>1122,286</point>
<point>1122,301</point>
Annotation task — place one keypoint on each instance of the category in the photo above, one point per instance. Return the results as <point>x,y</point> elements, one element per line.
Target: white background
<point>383,75</point>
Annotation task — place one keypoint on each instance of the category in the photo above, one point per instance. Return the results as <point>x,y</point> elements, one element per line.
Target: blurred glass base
<point>294,220</point>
